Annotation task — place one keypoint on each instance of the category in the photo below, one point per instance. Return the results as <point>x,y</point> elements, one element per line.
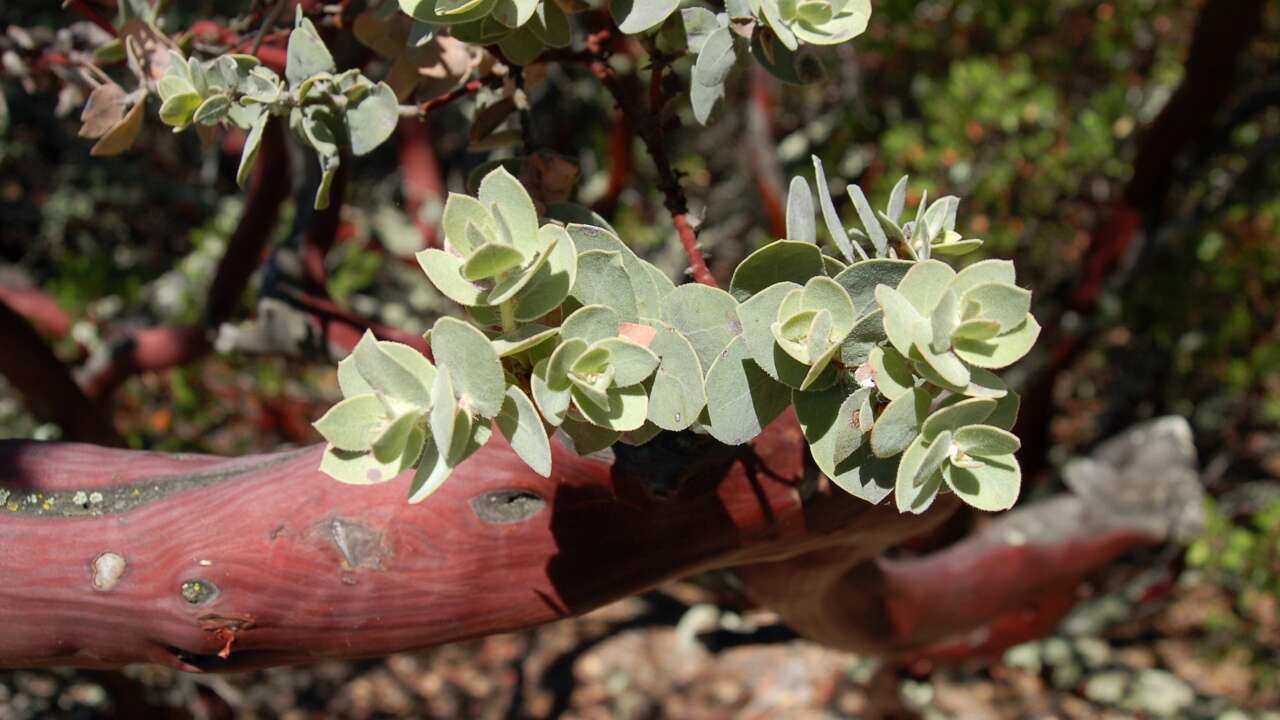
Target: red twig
<point>1222,32</point>
<point>147,350</point>
<point>620,141</point>
<point>763,158</point>
<point>81,8</point>
<point>422,181</point>
<point>470,88</point>
<point>330,312</point>
<point>647,122</point>
<point>267,192</point>
<point>689,239</point>
<point>161,348</point>
<point>39,308</point>
<point>45,383</point>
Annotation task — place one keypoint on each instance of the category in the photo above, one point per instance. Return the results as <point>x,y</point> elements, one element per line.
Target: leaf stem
<point>507,313</point>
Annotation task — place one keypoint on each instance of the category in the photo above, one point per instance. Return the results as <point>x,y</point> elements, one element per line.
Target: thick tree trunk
<point>110,557</point>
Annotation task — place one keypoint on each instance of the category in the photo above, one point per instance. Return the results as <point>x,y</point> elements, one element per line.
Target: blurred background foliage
<point>1031,112</point>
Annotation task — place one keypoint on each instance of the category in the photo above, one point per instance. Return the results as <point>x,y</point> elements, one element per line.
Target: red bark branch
<point>469,88</point>
<point>648,124</point>
<point>423,183</point>
<point>620,141</point>
<point>1223,30</point>
<point>209,564</point>
<point>147,350</point>
<point>39,308</point>
<point>268,189</point>
<point>81,8</point>
<point>161,348</point>
<point>762,159</point>
<point>46,384</point>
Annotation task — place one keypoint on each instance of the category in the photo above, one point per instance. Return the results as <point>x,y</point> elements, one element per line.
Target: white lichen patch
<point>107,569</point>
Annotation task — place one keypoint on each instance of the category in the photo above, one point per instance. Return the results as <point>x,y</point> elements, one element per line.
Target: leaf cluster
<point>327,110</point>
<point>885,352</point>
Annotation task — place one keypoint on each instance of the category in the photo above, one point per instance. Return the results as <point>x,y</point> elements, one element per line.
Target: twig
<point>81,8</point>
<point>160,348</point>
<point>46,384</point>
<point>267,192</point>
<point>472,87</point>
<point>647,123</point>
<point>272,16</point>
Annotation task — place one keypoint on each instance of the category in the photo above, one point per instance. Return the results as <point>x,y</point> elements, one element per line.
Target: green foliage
<point>781,33</point>
<point>1240,555</point>
<point>882,358</point>
<point>326,110</point>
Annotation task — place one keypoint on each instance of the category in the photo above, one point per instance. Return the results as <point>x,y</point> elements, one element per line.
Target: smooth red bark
<point>211,564</point>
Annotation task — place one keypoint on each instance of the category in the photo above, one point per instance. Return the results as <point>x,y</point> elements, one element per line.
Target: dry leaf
<point>122,136</point>
<point>147,50</point>
<point>550,178</point>
<point>103,111</point>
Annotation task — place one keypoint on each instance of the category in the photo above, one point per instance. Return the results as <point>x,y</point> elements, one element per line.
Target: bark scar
<point>225,628</point>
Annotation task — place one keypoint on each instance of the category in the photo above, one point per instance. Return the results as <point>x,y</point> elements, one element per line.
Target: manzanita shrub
<point>885,352</point>
<point>330,110</point>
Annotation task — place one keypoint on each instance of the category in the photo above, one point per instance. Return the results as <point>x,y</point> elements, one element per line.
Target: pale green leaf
<point>867,216</point>
<point>900,318</point>
<point>677,395</point>
<point>982,273</point>
<point>628,407</point>
<point>637,16</point>
<point>992,485</point>
<point>445,413</point>
<point>823,293</point>
<point>777,262</point>
<point>520,424</point>
<point>953,417</point>
<point>354,423</point>
<point>1002,350</point>
<point>925,283</point>
<point>986,440</point>
<point>585,438</point>
<point>387,376</point>
<point>709,71</point>
<point>741,398</point>
<point>910,496</point>
<point>1007,305</point>
<point>946,364</point>
<point>394,439</point>
<point>213,109</point>
<point>523,338</point>
<point>477,372</point>
<point>179,109</point>
<point>358,468</point>
<point>372,120</point>
<point>602,280</point>
<point>591,323</point>
<point>801,225</point>
<point>707,317</point>
<point>861,278</point>
<point>445,273</point>
<point>899,423</point>
<point>490,260</point>
<point>461,211</point>
<point>631,362</point>
<point>829,215</point>
<point>249,154</point>
<point>892,373</point>
<point>502,189</point>
<point>307,54</point>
